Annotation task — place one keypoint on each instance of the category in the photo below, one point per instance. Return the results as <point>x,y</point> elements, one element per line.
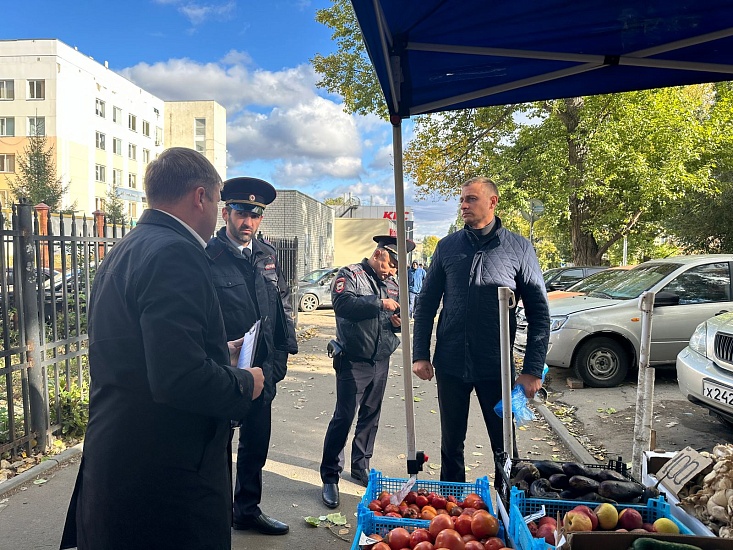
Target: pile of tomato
<point>454,525</point>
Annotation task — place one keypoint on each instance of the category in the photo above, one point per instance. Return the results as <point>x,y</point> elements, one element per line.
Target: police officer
<point>251,287</point>
<point>365,300</point>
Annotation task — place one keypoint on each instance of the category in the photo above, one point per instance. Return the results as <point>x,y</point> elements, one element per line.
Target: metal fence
<point>47,264</point>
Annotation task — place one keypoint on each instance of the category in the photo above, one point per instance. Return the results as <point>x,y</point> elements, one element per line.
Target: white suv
<point>598,333</point>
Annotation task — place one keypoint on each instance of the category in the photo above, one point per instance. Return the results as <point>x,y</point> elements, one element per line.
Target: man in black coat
<point>365,300</point>
<point>251,287</point>
<point>154,473</point>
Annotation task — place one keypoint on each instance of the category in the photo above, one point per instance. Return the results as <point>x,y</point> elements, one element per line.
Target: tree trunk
<point>585,247</point>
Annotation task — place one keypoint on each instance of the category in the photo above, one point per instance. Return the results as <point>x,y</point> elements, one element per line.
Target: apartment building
<point>199,125</point>
<point>104,129</point>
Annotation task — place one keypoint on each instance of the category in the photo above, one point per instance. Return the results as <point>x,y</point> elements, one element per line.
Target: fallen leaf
<point>310,520</point>
<point>336,518</point>
<point>40,481</point>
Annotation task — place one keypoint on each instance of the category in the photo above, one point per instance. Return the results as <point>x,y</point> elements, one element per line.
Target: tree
<point>428,246</point>
<point>334,201</point>
<point>36,180</point>
<point>114,208</point>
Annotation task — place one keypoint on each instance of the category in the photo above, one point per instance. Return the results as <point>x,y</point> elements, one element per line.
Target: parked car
<point>598,334</point>
<point>46,274</point>
<point>705,367</point>
<point>584,286</point>
<point>314,289</point>
<point>560,278</point>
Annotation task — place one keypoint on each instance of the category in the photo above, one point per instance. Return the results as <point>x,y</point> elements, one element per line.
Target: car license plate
<point>717,392</point>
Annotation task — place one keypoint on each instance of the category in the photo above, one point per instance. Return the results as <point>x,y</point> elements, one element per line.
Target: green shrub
<point>74,405</point>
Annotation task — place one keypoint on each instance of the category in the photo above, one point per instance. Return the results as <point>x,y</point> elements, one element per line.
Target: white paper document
<point>249,347</point>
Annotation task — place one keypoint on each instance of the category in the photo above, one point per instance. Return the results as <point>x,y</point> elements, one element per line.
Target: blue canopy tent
<point>438,55</point>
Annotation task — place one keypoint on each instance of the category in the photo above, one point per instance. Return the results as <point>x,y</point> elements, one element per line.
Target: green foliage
<point>114,208</point>
<point>74,406</point>
<point>348,72</point>
<point>36,180</point>
<point>428,247</point>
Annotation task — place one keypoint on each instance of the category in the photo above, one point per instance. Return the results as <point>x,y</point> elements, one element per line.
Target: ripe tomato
<point>375,536</point>
<point>424,545</point>
<point>420,535</point>
<point>450,539</point>
<point>463,524</point>
<point>493,543</point>
<point>471,500</point>
<point>474,545</point>
<point>484,525</point>
<point>439,523</point>
<point>421,501</point>
<point>374,506</point>
<point>398,538</point>
<point>381,546</point>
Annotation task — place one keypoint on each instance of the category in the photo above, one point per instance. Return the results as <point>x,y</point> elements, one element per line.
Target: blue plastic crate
<point>522,506</point>
<point>369,524</point>
<point>379,483</point>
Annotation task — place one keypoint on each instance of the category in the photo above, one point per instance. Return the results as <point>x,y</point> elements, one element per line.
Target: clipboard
<point>249,346</point>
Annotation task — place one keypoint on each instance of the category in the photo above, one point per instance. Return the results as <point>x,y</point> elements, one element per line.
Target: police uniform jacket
<point>155,468</point>
<point>466,275</point>
<point>363,328</point>
<point>233,276</point>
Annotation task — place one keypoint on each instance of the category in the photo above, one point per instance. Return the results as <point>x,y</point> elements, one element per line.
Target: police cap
<point>248,194</point>
<point>389,243</point>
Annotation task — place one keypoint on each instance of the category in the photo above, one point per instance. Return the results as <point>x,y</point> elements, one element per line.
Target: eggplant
<point>559,481</point>
<point>548,468</point>
<point>583,484</point>
<point>610,475</point>
<point>576,469</point>
<point>595,497</point>
<point>526,472</point>
<point>568,494</point>
<point>621,491</point>
<point>541,488</point>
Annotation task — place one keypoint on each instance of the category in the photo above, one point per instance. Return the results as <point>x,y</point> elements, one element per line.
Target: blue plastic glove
<point>522,413</point>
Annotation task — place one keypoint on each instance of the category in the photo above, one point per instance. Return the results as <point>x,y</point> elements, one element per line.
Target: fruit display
<point>475,530</point>
<point>426,505</point>
<point>712,503</point>
<point>574,481</point>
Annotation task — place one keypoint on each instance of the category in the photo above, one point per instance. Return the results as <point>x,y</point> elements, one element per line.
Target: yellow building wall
<point>352,240</point>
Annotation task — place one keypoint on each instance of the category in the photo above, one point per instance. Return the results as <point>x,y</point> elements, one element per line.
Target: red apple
<point>547,532</point>
<point>630,519</point>
<point>547,519</point>
<point>649,527</point>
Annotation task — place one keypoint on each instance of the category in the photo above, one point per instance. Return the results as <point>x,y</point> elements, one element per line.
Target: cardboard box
<point>623,541</point>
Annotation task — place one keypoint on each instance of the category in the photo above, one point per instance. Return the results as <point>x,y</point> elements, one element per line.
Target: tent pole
<point>414,460</point>
<point>506,300</point>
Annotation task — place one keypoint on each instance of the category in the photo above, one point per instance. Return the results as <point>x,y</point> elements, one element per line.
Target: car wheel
<point>308,302</point>
<point>601,362</point>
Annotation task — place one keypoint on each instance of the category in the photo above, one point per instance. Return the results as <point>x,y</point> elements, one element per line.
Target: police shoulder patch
<point>339,284</point>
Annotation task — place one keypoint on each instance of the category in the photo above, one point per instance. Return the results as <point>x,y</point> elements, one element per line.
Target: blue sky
<point>252,56</point>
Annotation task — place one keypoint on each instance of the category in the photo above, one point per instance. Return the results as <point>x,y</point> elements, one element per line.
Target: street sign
<point>536,206</point>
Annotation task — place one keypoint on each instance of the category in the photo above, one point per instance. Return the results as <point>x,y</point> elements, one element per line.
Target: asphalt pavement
<point>32,514</point>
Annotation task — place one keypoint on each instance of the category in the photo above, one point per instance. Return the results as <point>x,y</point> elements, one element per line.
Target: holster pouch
<point>334,349</point>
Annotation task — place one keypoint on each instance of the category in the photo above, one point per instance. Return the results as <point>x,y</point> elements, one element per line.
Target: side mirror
<point>666,298</point>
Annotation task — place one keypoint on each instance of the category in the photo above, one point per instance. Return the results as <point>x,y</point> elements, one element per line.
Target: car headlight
<point>699,339</point>
<point>557,321</point>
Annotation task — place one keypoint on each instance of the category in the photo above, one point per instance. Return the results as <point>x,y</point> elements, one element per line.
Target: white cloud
<point>198,13</point>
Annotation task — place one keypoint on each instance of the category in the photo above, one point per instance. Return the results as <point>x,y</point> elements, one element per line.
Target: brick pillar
<point>99,224</point>
<point>42,211</point>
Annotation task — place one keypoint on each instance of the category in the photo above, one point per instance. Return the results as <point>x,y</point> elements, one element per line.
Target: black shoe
<point>361,476</point>
<point>330,495</point>
<point>262,523</point>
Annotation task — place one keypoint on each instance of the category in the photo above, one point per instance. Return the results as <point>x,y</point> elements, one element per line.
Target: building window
<point>36,126</point>
<point>199,135</point>
<point>116,177</point>
<point>7,126</point>
<point>132,122</point>
<point>4,198</point>
<point>158,136</point>
<point>117,146</point>
<point>132,151</point>
<point>132,209</point>
<point>99,202</point>
<point>100,141</point>
<point>132,180</point>
<point>117,115</point>
<point>100,173</point>
<point>36,89</point>
<point>146,156</point>
<point>146,128</point>
<point>7,89</point>
<point>99,108</point>
<point>7,163</point>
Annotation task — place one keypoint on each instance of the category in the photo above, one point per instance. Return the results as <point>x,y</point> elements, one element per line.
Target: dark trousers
<point>358,384</point>
<point>254,441</point>
<point>454,398</point>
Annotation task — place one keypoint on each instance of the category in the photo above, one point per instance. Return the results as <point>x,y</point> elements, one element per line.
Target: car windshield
<point>315,275</point>
<point>550,273</point>
<point>632,283</point>
<point>597,279</point>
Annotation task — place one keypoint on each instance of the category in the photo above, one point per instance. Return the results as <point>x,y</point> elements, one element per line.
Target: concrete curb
<point>38,469</point>
<point>581,453</point>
